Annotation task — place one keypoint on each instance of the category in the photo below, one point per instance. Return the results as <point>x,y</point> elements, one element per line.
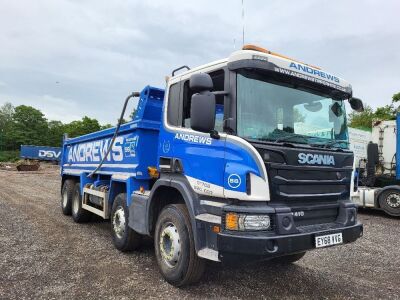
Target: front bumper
<point>279,245</point>
<point>287,240</point>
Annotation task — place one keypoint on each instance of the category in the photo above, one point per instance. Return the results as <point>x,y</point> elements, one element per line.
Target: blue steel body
<point>40,152</point>
<point>140,144</point>
<point>134,150</point>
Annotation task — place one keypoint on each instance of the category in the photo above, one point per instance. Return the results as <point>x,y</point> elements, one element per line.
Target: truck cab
<point>247,159</point>
<point>277,172</point>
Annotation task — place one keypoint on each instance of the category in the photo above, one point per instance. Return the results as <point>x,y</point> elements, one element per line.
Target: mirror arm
<point>228,125</point>
<point>215,135</point>
<point>225,93</point>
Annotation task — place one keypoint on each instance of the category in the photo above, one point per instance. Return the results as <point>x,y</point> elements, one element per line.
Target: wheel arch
<point>117,187</point>
<point>178,191</point>
<point>163,196</point>
<point>66,177</point>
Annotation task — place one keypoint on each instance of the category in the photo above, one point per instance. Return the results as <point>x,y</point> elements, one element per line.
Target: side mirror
<point>202,112</point>
<point>202,109</point>
<point>200,82</point>
<point>356,104</point>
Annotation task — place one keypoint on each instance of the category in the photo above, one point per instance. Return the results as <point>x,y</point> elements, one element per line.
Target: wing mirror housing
<point>202,109</point>
<point>200,82</point>
<point>356,104</point>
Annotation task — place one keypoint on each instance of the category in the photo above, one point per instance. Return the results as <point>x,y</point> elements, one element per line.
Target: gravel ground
<point>44,254</point>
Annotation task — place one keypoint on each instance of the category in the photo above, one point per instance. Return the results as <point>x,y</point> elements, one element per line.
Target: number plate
<point>328,240</point>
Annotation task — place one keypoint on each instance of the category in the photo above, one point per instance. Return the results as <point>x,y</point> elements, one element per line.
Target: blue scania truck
<point>243,158</point>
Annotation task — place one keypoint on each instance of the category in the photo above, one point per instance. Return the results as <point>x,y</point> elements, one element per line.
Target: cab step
<point>209,254</point>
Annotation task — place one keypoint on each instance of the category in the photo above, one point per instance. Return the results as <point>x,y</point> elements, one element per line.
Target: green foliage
<point>10,156</point>
<point>396,97</point>
<point>361,119</point>
<point>29,126</point>
<point>123,121</point>
<point>56,130</point>
<point>25,125</point>
<point>106,126</point>
<point>133,114</point>
<point>6,118</point>
<point>387,112</point>
<point>84,126</point>
<point>6,114</point>
<point>364,119</point>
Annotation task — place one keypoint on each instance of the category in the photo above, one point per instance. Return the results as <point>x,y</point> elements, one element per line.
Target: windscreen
<point>271,111</point>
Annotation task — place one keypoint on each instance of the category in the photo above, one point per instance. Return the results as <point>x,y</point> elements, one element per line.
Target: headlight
<point>245,222</point>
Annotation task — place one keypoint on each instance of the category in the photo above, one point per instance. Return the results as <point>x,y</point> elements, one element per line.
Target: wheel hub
<point>170,245</point>
<point>393,200</point>
<point>119,222</point>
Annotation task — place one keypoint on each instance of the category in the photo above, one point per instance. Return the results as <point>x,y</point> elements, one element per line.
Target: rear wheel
<point>67,193</point>
<point>288,259</point>
<point>174,247</point>
<point>124,238</point>
<point>78,213</point>
<point>389,201</point>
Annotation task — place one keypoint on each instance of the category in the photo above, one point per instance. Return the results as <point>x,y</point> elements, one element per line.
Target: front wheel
<point>389,201</point>
<point>174,247</point>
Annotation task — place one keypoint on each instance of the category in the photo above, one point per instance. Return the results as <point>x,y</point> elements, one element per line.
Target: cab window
<point>218,78</point>
<point>173,104</point>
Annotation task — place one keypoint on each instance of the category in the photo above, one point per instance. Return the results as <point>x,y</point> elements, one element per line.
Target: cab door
<point>201,158</point>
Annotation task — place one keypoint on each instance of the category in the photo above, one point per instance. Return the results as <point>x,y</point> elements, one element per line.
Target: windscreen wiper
<point>334,142</point>
<point>288,137</point>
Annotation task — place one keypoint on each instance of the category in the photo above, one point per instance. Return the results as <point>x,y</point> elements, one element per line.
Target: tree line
<point>26,125</point>
<point>364,119</point>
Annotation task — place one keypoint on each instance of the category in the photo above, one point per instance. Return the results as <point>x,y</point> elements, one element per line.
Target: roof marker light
<point>260,49</point>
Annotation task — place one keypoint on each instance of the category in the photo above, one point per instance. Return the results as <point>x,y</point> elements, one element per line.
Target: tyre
<point>174,247</point>
<point>288,259</point>
<point>67,193</point>
<point>78,213</point>
<point>389,201</point>
<point>124,238</point>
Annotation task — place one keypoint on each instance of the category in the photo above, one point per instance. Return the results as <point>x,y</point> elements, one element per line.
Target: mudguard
<point>140,210</point>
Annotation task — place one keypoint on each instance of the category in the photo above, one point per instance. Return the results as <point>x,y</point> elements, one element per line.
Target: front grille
<point>301,183</point>
<point>311,189</point>
<point>311,192</point>
<point>309,174</point>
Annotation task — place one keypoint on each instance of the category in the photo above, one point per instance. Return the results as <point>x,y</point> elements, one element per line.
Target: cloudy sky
<point>76,58</point>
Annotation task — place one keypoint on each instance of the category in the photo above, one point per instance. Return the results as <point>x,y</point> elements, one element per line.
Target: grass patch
<point>9,156</point>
